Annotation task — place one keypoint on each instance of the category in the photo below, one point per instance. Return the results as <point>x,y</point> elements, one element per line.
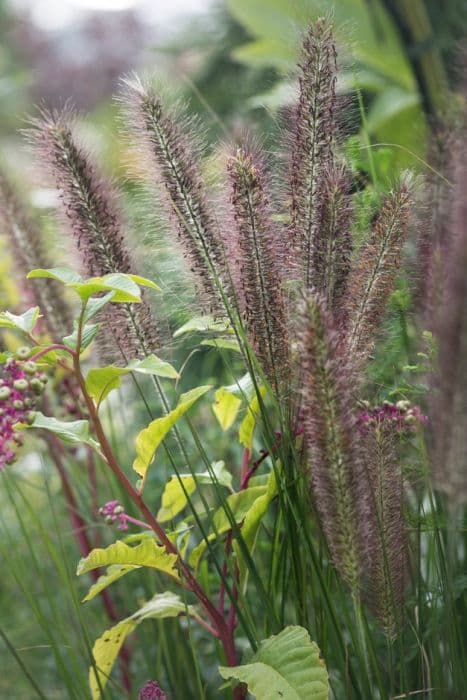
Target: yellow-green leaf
<point>225,407</point>
<point>106,648</point>
<point>105,651</point>
<point>151,437</point>
<point>247,427</point>
<point>113,573</point>
<point>175,496</point>
<point>147,553</point>
<point>286,665</point>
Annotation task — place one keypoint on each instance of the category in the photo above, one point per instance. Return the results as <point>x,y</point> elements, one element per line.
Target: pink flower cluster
<point>151,691</point>
<point>112,511</point>
<point>402,415</point>
<point>20,386</point>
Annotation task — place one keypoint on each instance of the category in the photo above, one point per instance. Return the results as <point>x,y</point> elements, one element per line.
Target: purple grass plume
<point>260,263</point>
<point>340,487</point>
<point>372,278</point>
<point>387,569</point>
<point>92,212</point>
<point>332,236</point>
<point>312,136</point>
<point>26,241</point>
<point>449,408</point>
<point>167,141</point>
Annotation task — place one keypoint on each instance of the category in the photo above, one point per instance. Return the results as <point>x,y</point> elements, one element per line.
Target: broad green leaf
<point>107,647</point>
<point>239,504</point>
<point>222,343</point>
<point>287,666</point>
<point>126,291</point>
<point>95,305</point>
<point>175,495</point>
<point>144,282</point>
<point>247,427</point>
<point>225,407</point>
<point>61,274</point>
<point>75,432</point>
<point>203,324</point>
<point>105,651</point>
<point>89,332</point>
<point>147,553</point>
<point>151,437</point>
<point>154,365</point>
<point>252,523</point>
<point>113,573</point>
<point>24,322</point>
<point>101,381</point>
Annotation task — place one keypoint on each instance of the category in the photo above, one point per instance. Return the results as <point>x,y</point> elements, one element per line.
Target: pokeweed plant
<point>323,534</point>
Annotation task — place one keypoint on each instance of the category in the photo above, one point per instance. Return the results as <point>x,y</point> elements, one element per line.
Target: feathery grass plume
<point>27,247</point>
<point>433,241</point>
<point>260,262</point>
<point>371,279</point>
<point>332,247</point>
<point>341,490</point>
<point>386,575</point>
<point>311,136</point>
<point>91,208</point>
<point>450,408</point>
<point>169,142</point>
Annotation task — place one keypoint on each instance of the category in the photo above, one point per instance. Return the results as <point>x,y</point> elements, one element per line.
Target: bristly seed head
<point>91,208</point>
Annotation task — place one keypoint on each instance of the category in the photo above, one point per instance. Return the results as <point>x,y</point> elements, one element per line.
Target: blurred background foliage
<point>233,60</point>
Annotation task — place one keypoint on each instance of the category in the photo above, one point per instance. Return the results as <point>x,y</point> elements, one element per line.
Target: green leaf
<point>126,291</point>
<point>154,365</point>
<point>287,666</point>
<point>225,407</point>
<point>89,332</point>
<point>203,324</point>
<point>247,427</point>
<point>144,282</point>
<point>147,553</point>
<point>243,387</point>
<point>222,343</point>
<point>105,651</point>
<point>24,322</point>
<point>107,647</point>
<point>101,381</point>
<point>61,274</point>
<point>95,305</point>
<point>75,432</point>
<point>113,573</point>
<point>239,504</point>
<point>149,439</point>
<point>175,495</point>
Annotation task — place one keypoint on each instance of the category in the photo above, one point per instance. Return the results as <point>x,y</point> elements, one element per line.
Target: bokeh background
<point>232,61</point>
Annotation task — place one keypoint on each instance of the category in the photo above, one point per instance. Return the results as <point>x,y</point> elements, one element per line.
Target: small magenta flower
<point>113,512</point>
<point>151,691</point>
<point>20,386</point>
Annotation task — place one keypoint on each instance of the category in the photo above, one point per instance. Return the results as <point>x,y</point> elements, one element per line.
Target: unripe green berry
<point>23,352</point>
<point>18,404</point>
<point>5,393</point>
<point>20,384</point>
<point>30,417</point>
<point>30,367</point>
<point>37,386</point>
<point>43,378</point>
